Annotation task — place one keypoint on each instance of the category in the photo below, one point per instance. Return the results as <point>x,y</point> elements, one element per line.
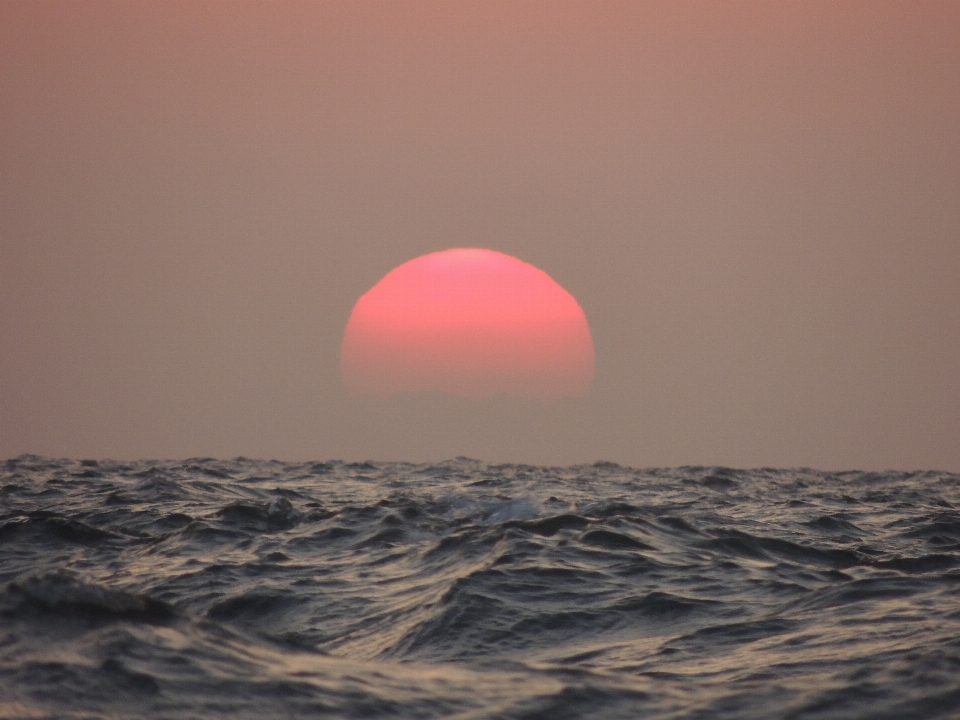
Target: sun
<point>469,322</point>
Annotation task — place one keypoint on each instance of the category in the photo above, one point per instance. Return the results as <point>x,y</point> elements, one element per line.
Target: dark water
<point>246,589</point>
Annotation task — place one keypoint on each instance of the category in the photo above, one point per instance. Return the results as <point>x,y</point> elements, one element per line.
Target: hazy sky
<point>757,205</point>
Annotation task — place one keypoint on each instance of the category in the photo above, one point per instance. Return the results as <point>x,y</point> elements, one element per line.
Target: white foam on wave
<point>524,508</point>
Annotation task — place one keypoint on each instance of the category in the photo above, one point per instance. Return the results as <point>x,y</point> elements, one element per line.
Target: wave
<point>248,588</point>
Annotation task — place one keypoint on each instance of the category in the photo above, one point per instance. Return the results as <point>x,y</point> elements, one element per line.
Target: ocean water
<point>262,589</point>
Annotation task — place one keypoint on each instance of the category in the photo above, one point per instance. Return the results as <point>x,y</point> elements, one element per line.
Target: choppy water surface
<point>249,589</point>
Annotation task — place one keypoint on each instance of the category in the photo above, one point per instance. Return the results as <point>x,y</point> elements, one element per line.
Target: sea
<point>211,588</point>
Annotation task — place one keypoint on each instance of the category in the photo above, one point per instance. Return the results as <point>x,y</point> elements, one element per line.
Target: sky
<point>756,204</point>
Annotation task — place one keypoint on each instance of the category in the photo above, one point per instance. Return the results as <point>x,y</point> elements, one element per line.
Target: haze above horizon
<point>755,204</point>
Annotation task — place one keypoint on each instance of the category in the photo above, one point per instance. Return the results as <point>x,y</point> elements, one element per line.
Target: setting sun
<point>470,322</point>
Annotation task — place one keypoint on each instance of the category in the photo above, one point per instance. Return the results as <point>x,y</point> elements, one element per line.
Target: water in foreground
<point>247,589</point>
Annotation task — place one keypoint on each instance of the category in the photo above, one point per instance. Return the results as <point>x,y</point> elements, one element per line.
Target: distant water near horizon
<point>262,589</point>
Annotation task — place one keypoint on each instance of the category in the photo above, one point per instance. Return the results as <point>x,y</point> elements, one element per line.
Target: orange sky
<point>755,204</point>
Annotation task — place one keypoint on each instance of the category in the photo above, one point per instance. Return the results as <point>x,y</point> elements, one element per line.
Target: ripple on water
<point>261,589</point>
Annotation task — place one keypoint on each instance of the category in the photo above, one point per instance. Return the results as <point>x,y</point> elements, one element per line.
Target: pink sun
<point>469,322</point>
